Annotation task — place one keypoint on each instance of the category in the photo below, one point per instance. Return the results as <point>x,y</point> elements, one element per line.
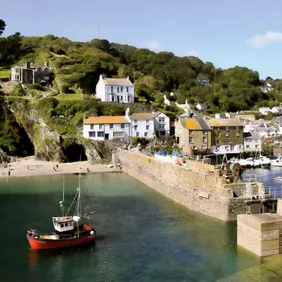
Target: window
<point>92,126</point>
<point>112,89</point>
<point>100,126</point>
<point>100,134</point>
<point>217,142</point>
<point>147,127</point>
<point>111,126</point>
<point>205,132</point>
<point>135,127</point>
<point>227,128</point>
<point>145,134</point>
<point>190,140</point>
<point>205,140</point>
<point>121,98</point>
<point>162,126</point>
<point>226,147</point>
<point>117,88</point>
<point>113,98</point>
<point>122,125</point>
<point>118,134</point>
<point>121,89</point>
<point>226,134</point>
<point>17,70</point>
<point>248,146</point>
<point>161,119</point>
<point>256,146</point>
<point>92,134</point>
<point>135,121</point>
<point>162,133</point>
<point>127,89</point>
<point>137,134</point>
<point>237,133</point>
<point>147,121</point>
<point>17,77</point>
<point>128,98</point>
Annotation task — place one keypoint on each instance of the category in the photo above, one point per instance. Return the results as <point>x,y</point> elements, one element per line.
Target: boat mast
<point>62,202</point>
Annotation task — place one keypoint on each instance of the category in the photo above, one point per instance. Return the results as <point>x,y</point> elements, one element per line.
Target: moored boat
<point>276,162</point>
<point>262,161</point>
<point>279,178</point>
<point>69,231</point>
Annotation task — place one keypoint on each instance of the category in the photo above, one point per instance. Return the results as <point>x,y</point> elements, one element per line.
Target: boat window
<point>62,225</point>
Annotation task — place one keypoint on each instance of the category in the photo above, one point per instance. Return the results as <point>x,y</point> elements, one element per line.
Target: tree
<point>2,26</point>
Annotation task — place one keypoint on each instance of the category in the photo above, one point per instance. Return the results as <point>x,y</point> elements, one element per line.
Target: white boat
<point>278,178</point>
<point>276,162</point>
<point>262,161</point>
<point>249,162</point>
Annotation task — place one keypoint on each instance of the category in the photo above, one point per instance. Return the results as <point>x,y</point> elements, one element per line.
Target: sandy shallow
<point>31,167</point>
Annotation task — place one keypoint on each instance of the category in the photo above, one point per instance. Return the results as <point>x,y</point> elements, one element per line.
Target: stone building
<point>31,73</point>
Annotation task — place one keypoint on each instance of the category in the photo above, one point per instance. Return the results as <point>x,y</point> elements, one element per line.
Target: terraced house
<point>193,135</point>
<point>227,135</point>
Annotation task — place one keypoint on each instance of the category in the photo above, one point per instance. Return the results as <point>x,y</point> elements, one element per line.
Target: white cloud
<point>262,40</point>
<point>192,52</point>
<point>154,45</point>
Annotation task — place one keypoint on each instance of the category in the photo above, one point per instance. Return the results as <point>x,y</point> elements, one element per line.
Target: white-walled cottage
<point>142,125</point>
<point>161,124</point>
<point>119,90</point>
<point>252,142</point>
<point>107,128</point>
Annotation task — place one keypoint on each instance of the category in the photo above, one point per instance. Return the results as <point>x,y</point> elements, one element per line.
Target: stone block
<point>270,245</point>
<point>269,253</point>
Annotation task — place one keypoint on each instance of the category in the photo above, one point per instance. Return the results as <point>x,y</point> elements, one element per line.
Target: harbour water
<point>141,235</point>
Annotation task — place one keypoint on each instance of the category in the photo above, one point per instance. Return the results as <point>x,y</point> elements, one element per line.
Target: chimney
<point>127,77</point>
<point>27,65</point>
<point>127,112</point>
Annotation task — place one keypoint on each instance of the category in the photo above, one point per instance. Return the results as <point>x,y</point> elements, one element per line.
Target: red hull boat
<point>57,241</point>
<point>69,231</point>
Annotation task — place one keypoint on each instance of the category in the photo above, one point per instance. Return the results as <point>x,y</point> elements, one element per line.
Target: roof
<point>141,116</point>
<point>118,81</point>
<point>224,122</point>
<point>194,124</point>
<point>106,120</point>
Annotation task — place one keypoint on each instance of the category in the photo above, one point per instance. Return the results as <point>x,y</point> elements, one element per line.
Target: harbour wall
<point>195,186</point>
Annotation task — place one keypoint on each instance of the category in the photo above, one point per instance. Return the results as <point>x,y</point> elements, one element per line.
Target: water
<point>141,235</point>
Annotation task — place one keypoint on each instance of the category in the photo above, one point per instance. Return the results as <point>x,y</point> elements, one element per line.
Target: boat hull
<point>49,244</point>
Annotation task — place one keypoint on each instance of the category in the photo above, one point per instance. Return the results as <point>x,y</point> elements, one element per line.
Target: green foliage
<point>2,26</point>
<point>18,91</point>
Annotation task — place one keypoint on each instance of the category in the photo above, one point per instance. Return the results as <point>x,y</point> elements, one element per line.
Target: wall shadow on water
<point>74,153</point>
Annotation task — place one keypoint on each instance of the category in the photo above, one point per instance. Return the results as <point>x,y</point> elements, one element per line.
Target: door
<point>107,136</point>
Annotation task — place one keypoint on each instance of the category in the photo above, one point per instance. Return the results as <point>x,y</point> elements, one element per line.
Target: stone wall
<point>195,186</point>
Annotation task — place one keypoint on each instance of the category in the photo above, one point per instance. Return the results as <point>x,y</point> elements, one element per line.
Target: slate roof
<point>118,81</point>
<point>106,120</point>
<point>141,116</point>
<point>217,122</point>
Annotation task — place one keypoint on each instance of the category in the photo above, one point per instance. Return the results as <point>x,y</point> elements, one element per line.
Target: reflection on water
<point>141,235</point>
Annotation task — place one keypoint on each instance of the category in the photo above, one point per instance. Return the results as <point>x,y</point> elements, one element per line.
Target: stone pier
<point>261,233</point>
<point>197,186</point>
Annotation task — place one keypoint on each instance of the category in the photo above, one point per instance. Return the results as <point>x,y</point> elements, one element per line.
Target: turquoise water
<point>141,235</point>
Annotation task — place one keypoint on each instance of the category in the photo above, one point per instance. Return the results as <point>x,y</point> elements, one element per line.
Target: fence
<point>250,178</point>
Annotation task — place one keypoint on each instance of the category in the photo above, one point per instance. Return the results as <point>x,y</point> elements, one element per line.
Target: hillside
<point>77,66</point>
<point>51,127</point>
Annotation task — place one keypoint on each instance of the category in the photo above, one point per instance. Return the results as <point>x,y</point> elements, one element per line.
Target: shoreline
<point>29,166</point>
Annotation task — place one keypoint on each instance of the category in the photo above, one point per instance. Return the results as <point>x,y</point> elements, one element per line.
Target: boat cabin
<point>64,223</point>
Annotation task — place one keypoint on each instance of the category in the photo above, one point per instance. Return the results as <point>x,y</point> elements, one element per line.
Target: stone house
<point>193,135</point>
<point>31,73</point>
<point>227,135</point>
<point>115,90</point>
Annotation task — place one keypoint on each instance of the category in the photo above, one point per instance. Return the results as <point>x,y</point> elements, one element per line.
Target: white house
<point>267,88</point>
<point>107,128</point>
<point>161,124</point>
<point>252,142</point>
<point>276,110</point>
<point>119,90</point>
<point>142,125</point>
<point>264,110</point>
<point>201,107</point>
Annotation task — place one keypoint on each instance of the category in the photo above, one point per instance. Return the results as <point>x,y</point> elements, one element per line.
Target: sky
<point>224,32</point>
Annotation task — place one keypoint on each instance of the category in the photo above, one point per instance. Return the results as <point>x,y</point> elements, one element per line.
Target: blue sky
<point>227,33</point>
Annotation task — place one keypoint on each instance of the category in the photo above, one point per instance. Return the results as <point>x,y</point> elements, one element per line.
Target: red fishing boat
<point>69,231</point>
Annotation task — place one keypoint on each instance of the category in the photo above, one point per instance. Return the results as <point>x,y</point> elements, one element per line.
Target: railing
<point>250,178</point>
<point>273,192</point>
